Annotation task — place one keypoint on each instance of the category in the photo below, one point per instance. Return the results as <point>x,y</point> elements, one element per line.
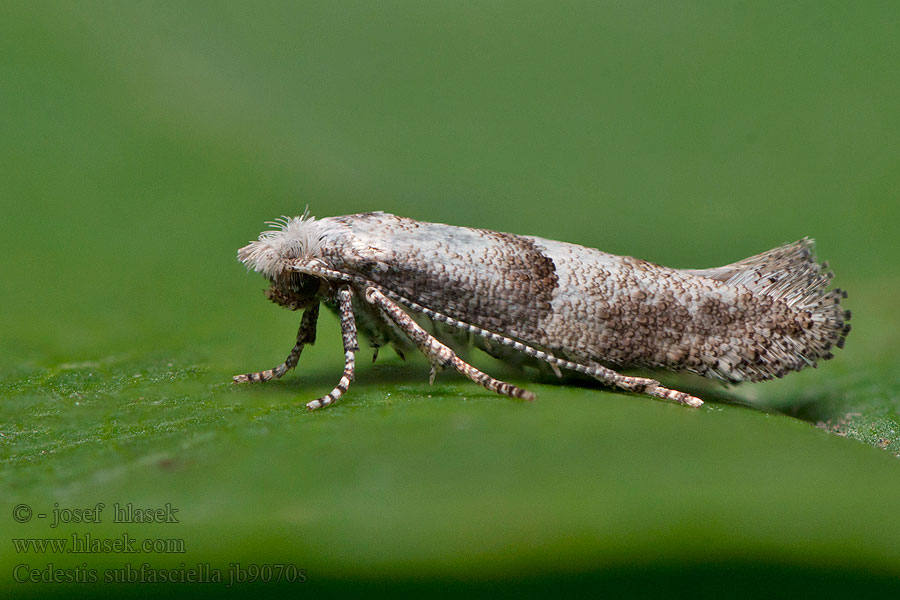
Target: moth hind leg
<point>641,385</point>
<point>437,353</point>
<point>306,334</point>
<point>659,391</point>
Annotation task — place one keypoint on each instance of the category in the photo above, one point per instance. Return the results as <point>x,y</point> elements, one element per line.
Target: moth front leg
<point>440,355</point>
<point>351,347</point>
<point>306,334</point>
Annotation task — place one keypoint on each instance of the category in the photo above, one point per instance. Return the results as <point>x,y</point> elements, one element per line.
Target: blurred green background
<point>143,143</point>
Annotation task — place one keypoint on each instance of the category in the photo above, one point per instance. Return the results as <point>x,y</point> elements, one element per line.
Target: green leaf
<point>144,143</point>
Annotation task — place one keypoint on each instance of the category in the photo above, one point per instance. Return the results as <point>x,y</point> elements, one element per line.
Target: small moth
<point>534,301</point>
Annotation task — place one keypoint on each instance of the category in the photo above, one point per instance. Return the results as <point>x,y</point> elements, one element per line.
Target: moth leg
<point>641,385</point>
<point>659,391</point>
<point>306,334</point>
<point>440,355</point>
<point>351,347</point>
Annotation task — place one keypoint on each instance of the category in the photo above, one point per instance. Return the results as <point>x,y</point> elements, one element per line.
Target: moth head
<point>290,240</point>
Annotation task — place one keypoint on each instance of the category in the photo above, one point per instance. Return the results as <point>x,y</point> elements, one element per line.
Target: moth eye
<point>302,284</point>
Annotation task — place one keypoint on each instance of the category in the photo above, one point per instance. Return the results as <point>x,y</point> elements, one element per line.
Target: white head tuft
<point>290,238</point>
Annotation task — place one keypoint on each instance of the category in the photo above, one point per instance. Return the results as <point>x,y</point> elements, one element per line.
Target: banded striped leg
<point>351,347</point>
<point>440,355</point>
<point>306,334</point>
<point>642,385</point>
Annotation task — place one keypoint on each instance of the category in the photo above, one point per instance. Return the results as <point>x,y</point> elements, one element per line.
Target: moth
<point>533,301</point>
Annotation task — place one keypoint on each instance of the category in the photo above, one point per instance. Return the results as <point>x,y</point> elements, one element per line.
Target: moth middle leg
<point>437,353</point>
<point>306,334</point>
